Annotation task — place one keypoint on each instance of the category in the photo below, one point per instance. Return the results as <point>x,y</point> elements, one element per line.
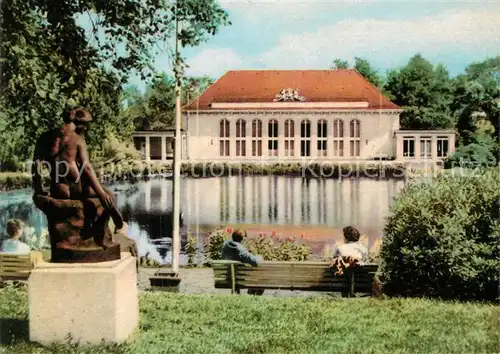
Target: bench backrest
<point>16,266</point>
<point>313,276</point>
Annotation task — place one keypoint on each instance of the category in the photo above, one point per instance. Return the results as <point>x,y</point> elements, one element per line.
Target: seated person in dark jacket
<point>233,250</point>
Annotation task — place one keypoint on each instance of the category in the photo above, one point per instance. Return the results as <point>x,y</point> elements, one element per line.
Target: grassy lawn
<point>174,323</point>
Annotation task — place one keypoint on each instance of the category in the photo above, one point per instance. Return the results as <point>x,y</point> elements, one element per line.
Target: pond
<point>317,209</point>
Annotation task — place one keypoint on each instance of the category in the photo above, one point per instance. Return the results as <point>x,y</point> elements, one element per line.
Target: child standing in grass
<point>12,245</point>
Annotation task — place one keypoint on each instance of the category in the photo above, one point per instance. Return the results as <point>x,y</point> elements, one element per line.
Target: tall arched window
<point>272,133</point>
<point>256,137</point>
<point>289,137</point>
<point>224,137</point>
<point>322,136</point>
<point>355,138</point>
<point>338,137</point>
<point>305,138</point>
<point>241,134</point>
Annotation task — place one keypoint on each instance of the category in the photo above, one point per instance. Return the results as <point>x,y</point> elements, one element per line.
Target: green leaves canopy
<point>49,61</point>
<point>424,92</point>
<point>155,109</point>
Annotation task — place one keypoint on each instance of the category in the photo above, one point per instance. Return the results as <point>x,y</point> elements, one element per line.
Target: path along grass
<point>175,323</point>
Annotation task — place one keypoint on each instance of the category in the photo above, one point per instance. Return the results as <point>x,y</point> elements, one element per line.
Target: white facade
<point>378,136</point>
<point>157,145</point>
<point>372,133</point>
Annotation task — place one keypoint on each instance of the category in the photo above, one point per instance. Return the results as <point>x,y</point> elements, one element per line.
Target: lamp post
<point>176,239</point>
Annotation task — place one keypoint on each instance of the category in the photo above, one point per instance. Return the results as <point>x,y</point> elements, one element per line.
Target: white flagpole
<point>176,239</point>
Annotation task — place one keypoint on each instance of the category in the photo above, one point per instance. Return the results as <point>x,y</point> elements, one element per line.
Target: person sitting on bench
<point>352,247</point>
<point>12,245</point>
<point>233,250</point>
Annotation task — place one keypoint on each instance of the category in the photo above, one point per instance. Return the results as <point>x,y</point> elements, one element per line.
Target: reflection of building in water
<point>293,201</point>
<point>269,200</point>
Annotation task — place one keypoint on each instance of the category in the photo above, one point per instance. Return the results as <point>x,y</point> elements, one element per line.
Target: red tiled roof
<point>343,85</point>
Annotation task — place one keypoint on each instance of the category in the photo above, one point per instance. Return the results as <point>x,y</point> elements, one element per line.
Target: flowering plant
<point>216,239</point>
<point>270,248</point>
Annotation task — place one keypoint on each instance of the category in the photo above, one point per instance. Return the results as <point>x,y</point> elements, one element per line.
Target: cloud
<point>214,62</point>
<point>387,41</point>
<point>281,12</point>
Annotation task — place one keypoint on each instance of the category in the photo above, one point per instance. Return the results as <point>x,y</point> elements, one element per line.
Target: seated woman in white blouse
<point>351,247</point>
<point>12,245</point>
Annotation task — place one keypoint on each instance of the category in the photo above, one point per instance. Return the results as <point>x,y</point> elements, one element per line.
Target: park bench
<point>305,276</point>
<point>18,266</point>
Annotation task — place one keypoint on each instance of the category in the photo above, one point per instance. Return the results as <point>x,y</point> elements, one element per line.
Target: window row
<point>304,150</point>
<point>442,147</point>
<point>305,128</point>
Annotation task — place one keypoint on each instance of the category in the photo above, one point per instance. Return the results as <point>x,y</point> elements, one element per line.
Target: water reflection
<point>207,203</point>
<point>293,201</point>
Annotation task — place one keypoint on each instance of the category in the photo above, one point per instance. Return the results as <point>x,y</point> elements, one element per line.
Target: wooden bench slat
<point>13,261</point>
<point>17,267</point>
<point>313,276</point>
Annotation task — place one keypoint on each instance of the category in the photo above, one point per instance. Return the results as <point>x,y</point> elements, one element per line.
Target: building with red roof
<point>297,115</point>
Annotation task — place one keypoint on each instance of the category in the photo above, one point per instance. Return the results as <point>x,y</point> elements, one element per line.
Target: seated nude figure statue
<point>78,207</point>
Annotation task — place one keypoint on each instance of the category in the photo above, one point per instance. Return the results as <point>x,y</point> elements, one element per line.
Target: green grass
<point>175,323</point>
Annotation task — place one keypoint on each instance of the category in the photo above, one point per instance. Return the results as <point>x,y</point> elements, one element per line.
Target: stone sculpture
<point>289,95</point>
<point>78,207</point>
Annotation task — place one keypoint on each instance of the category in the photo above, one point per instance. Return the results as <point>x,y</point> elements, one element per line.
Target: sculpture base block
<point>85,303</point>
<point>82,255</point>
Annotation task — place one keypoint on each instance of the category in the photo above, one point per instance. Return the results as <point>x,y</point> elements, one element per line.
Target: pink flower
<point>273,233</point>
<point>229,230</point>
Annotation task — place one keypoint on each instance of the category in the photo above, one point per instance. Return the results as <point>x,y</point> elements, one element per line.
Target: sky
<point>293,34</point>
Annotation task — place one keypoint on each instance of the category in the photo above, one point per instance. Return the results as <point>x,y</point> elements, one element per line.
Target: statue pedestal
<point>83,302</point>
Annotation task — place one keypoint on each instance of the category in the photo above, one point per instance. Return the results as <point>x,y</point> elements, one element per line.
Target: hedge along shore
<point>136,171</point>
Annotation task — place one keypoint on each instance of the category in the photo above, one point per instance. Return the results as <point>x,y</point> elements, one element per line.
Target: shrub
<point>442,239</point>
<point>216,240</point>
<point>191,249</point>
<point>146,262</point>
<point>472,156</point>
<point>278,249</point>
<point>14,180</point>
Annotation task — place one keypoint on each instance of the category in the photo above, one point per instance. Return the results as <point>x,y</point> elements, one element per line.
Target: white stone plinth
<point>87,302</point>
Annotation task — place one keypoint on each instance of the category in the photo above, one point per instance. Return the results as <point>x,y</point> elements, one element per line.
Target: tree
<point>340,64</point>
<point>363,67</point>
<point>155,109</point>
<point>477,100</point>
<point>477,110</point>
<point>49,61</point>
<point>424,92</point>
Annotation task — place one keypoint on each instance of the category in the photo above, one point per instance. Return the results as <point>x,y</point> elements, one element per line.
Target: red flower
<point>229,230</point>
<point>273,233</point>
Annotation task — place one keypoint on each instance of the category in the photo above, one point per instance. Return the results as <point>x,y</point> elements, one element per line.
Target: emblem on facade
<point>289,95</point>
